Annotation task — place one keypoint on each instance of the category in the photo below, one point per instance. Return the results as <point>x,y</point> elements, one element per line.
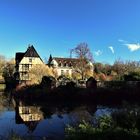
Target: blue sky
<point>110,27</point>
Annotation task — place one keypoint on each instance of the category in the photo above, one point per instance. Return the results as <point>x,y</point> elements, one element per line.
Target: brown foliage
<point>38,71</point>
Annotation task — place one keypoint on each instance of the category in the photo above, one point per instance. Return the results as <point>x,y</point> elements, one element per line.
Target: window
<point>65,64</point>
<point>30,117</point>
<point>70,65</point>
<point>62,72</point>
<point>60,64</point>
<point>25,67</point>
<point>25,110</point>
<point>30,66</point>
<point>30,60</point>
<point>24,76</point>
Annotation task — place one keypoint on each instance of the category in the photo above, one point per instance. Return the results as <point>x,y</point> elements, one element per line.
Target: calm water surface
<point>44,120</point>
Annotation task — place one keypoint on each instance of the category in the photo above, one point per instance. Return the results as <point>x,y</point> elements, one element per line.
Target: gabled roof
<point>65,59</point>
<point>68,61</point>
<point>31,52</point>
<point>31,125</point>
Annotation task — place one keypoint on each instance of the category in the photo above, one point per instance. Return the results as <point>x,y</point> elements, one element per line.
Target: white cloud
<point>112,49</point>
<point>133,47</point>
<point>99,52</point>
<point>121,40</point>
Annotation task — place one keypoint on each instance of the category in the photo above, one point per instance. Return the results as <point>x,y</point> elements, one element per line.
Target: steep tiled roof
<point>68,61</point>
<point>65,59</point>
<point>31,52</point>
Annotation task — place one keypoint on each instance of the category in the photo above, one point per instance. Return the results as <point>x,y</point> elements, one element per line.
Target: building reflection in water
<point>32,115</point>
<point>29,115</point>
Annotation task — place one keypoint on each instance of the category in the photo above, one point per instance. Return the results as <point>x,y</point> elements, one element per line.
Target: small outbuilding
<point>91,83</point>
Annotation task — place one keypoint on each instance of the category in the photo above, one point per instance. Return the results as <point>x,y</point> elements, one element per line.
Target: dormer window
<point>65,64</point>
<point>60,64</point>
<point>70,65</point>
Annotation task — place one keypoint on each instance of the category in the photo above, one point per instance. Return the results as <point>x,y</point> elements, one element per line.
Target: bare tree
<point>125,67</point>
<point>82,51</point>
<point>84,64</point>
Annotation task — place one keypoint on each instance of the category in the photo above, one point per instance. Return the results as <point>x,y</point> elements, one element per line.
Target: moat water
<point>44,120</point>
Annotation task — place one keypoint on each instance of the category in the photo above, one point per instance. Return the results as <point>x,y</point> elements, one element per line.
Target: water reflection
<point>54,117</point>
<point>44,120</point>
<point>4,104</point>
<point>29,115</point>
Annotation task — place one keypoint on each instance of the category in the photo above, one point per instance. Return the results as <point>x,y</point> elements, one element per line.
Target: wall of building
<point>26,60</point>
<point>66,70</point>
<point>35,60</point>
<point>26,64</point>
